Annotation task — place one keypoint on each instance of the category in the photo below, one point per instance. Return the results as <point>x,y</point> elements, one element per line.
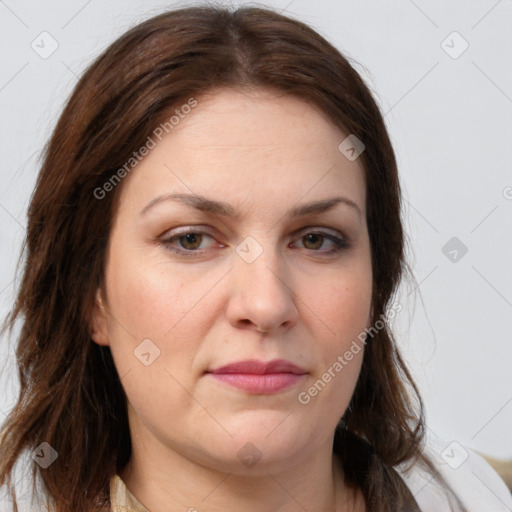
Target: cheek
<point>173,308</point>
<point>144,305</point>
<point>343,306</point>
<point>152,299</point>
<point>154,333</point>
<point>343,309</point>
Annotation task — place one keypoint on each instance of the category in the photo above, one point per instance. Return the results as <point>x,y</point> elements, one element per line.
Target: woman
<point>213,246</point>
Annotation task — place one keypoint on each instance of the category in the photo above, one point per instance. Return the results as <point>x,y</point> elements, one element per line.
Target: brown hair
<point>70,392</point>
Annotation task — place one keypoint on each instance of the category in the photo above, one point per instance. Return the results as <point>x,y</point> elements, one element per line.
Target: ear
<point>99,321</point>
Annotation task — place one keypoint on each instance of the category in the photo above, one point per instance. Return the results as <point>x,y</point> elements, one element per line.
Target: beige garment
<point>122,499</point>
<point>502,467</point>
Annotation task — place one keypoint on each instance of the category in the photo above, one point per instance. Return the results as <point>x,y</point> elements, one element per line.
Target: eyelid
<point>185,230</point>
<point>320,229</point>
<point>202,229</point>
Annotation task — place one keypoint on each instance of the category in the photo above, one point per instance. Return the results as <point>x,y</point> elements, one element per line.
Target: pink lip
<point>259,377</point>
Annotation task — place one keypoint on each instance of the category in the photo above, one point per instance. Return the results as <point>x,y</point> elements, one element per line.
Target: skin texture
<point>263,153</point>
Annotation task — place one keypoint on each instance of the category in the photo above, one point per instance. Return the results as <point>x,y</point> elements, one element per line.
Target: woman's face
<point>262,275</point>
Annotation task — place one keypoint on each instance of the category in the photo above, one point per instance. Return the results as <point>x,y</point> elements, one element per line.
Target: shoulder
<point>470,476</point>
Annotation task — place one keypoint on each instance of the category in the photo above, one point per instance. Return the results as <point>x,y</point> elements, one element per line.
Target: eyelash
<point>340,244</point>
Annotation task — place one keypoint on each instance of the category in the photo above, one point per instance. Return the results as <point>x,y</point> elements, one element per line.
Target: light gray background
<point>450,120</point>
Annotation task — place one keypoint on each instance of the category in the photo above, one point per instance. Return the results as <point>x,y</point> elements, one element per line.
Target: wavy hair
<point>70,393</point>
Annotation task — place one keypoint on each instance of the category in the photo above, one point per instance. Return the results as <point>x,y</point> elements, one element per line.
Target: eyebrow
<point>222,208</point>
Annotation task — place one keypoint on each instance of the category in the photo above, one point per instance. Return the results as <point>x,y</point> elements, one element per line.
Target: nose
<point>262,297</point>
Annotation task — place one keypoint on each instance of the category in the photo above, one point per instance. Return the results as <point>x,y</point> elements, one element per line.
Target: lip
<point>259,377</point>
<point>253,366</point>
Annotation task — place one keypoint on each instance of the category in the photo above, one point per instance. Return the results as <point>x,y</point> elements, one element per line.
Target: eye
<point>314,240</point>
<point>188,241</point>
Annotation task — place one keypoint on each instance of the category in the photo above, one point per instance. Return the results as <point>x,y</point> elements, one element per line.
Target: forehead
<point>256,117</point>
<point>250,145</point>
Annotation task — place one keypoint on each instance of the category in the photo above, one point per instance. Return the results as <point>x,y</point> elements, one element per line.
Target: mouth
<point>259,377</point>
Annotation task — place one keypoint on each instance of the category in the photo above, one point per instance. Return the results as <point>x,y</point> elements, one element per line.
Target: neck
<point>165,480</point>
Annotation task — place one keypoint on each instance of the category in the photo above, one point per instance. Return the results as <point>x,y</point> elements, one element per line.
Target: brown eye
<point>190,241</point>
<point>315,240</point>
